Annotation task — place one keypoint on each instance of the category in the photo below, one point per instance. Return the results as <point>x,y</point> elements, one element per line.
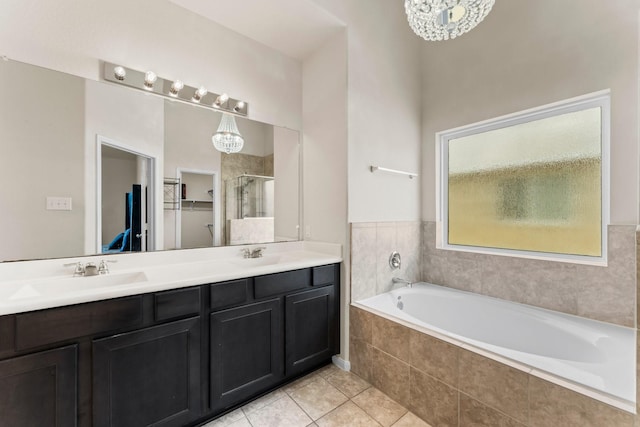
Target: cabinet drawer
<point>280,283</point>
<point>324,275</point>
<point>227,294</point>
<point>176,303</point>
<point>59,324</point>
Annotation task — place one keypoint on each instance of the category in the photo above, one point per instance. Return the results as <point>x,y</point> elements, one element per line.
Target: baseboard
<point>345,365</point>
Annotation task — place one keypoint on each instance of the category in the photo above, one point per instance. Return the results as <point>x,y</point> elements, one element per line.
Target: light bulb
<point>221,99</point>
<point>202,91</point>
<point>149,79</point>
<point>176,87</point>
<point>119,73</point>
<point>239,106</point>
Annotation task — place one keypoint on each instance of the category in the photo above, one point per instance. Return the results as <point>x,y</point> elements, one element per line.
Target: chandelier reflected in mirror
<point>228,139</point>
<point>435,20</point>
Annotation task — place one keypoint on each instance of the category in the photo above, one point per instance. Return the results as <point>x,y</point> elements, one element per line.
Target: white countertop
<point>36,285</point>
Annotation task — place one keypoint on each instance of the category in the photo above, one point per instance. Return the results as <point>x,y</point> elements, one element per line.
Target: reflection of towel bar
<point>411,175</point>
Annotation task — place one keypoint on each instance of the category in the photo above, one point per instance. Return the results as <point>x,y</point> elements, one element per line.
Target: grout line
<point>491,407</point>
<point>302,409</point>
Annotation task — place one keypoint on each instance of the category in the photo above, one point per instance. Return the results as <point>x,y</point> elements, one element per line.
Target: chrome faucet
<point>403,281</point>
<point>90,268</point>
<point>253,252</point>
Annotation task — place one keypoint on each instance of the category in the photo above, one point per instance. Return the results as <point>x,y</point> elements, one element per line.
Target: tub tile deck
<point>485,391</point>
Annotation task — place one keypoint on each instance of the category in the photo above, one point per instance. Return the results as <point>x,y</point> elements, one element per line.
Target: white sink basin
<point>65,285</point>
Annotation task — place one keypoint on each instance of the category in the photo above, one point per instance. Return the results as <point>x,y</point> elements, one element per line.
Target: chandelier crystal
<point>228,139</point>
<point>435,20</point>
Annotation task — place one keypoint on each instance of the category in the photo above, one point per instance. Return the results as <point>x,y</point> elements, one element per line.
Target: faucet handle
<point>103,268</point>
<point>79,270</point>
<point>257,252</point>
<point>246,252</point>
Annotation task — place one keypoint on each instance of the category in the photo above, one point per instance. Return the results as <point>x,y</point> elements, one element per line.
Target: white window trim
<point>600,99</point>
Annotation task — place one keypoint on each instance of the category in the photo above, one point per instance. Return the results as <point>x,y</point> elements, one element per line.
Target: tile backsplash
<point>602,293</point>
<point>371,246</point>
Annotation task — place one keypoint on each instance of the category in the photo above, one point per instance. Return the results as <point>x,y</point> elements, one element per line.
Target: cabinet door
<point>311,329</point>
<point>246,352</point>
<point>40,389</point>
<point>148,377</point>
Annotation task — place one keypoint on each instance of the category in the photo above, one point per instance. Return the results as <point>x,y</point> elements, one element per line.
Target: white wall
<point>325,165</point>
<point>188,147</point>
<point>286,172</point>
<point>529,53</point>
<point>40,155</point>
<point>132,120</point>
<point>73,36</point>
<point>384,113</point>
<point>258,137</point>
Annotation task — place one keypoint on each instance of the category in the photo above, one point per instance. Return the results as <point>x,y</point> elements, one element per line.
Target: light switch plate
<point>58,203</point>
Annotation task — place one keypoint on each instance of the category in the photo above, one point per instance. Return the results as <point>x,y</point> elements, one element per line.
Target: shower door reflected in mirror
<point>250,209</point>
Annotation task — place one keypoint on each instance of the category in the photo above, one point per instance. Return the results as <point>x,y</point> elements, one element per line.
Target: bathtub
<point>590,357</point>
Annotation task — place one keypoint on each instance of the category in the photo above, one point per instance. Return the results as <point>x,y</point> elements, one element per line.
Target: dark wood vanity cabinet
<point>148,377</point>
<point>246,352</point>
<point>40,389</point>
<point>280,326</point>
<point>171,358</point>
<point>311,331</point>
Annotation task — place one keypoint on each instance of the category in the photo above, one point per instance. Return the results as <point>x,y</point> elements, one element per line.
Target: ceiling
<point>293,27</point>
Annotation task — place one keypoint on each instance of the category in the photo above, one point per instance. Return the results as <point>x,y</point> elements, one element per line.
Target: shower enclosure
<point>249,209</point>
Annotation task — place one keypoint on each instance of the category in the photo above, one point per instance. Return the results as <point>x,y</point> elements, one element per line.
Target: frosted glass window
<point>532,183</point>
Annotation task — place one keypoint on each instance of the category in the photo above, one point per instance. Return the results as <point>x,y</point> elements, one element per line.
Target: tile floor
<point>328,397</point>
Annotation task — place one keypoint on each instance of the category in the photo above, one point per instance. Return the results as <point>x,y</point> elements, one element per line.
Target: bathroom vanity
<point>175,356</point>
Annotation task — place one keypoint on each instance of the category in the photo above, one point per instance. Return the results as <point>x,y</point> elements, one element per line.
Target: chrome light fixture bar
<point>149,82</point>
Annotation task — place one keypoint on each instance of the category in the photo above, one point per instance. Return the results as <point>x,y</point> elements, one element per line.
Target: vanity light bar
<point>148,81</point>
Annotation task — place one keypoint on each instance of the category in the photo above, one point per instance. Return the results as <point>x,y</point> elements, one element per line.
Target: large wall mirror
<point>90,167</point>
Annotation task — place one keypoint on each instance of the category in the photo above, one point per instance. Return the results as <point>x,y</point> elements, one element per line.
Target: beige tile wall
<point>234,165</point>
<point>602,293</point>
<point>449,386</point>
<point>371,246</point>
<point>637,424</point>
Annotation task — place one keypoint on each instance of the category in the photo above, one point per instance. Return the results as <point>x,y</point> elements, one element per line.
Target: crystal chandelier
<point>445,19</point>
<point>228,139</point>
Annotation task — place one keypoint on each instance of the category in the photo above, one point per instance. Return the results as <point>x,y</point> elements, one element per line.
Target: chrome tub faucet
<point>407,283</point>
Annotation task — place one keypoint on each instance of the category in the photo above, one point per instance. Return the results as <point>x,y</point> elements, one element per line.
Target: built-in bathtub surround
<point>371,245</point>
<point>451,386</point>
<point>590,357</point>
<point>602,293</point>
